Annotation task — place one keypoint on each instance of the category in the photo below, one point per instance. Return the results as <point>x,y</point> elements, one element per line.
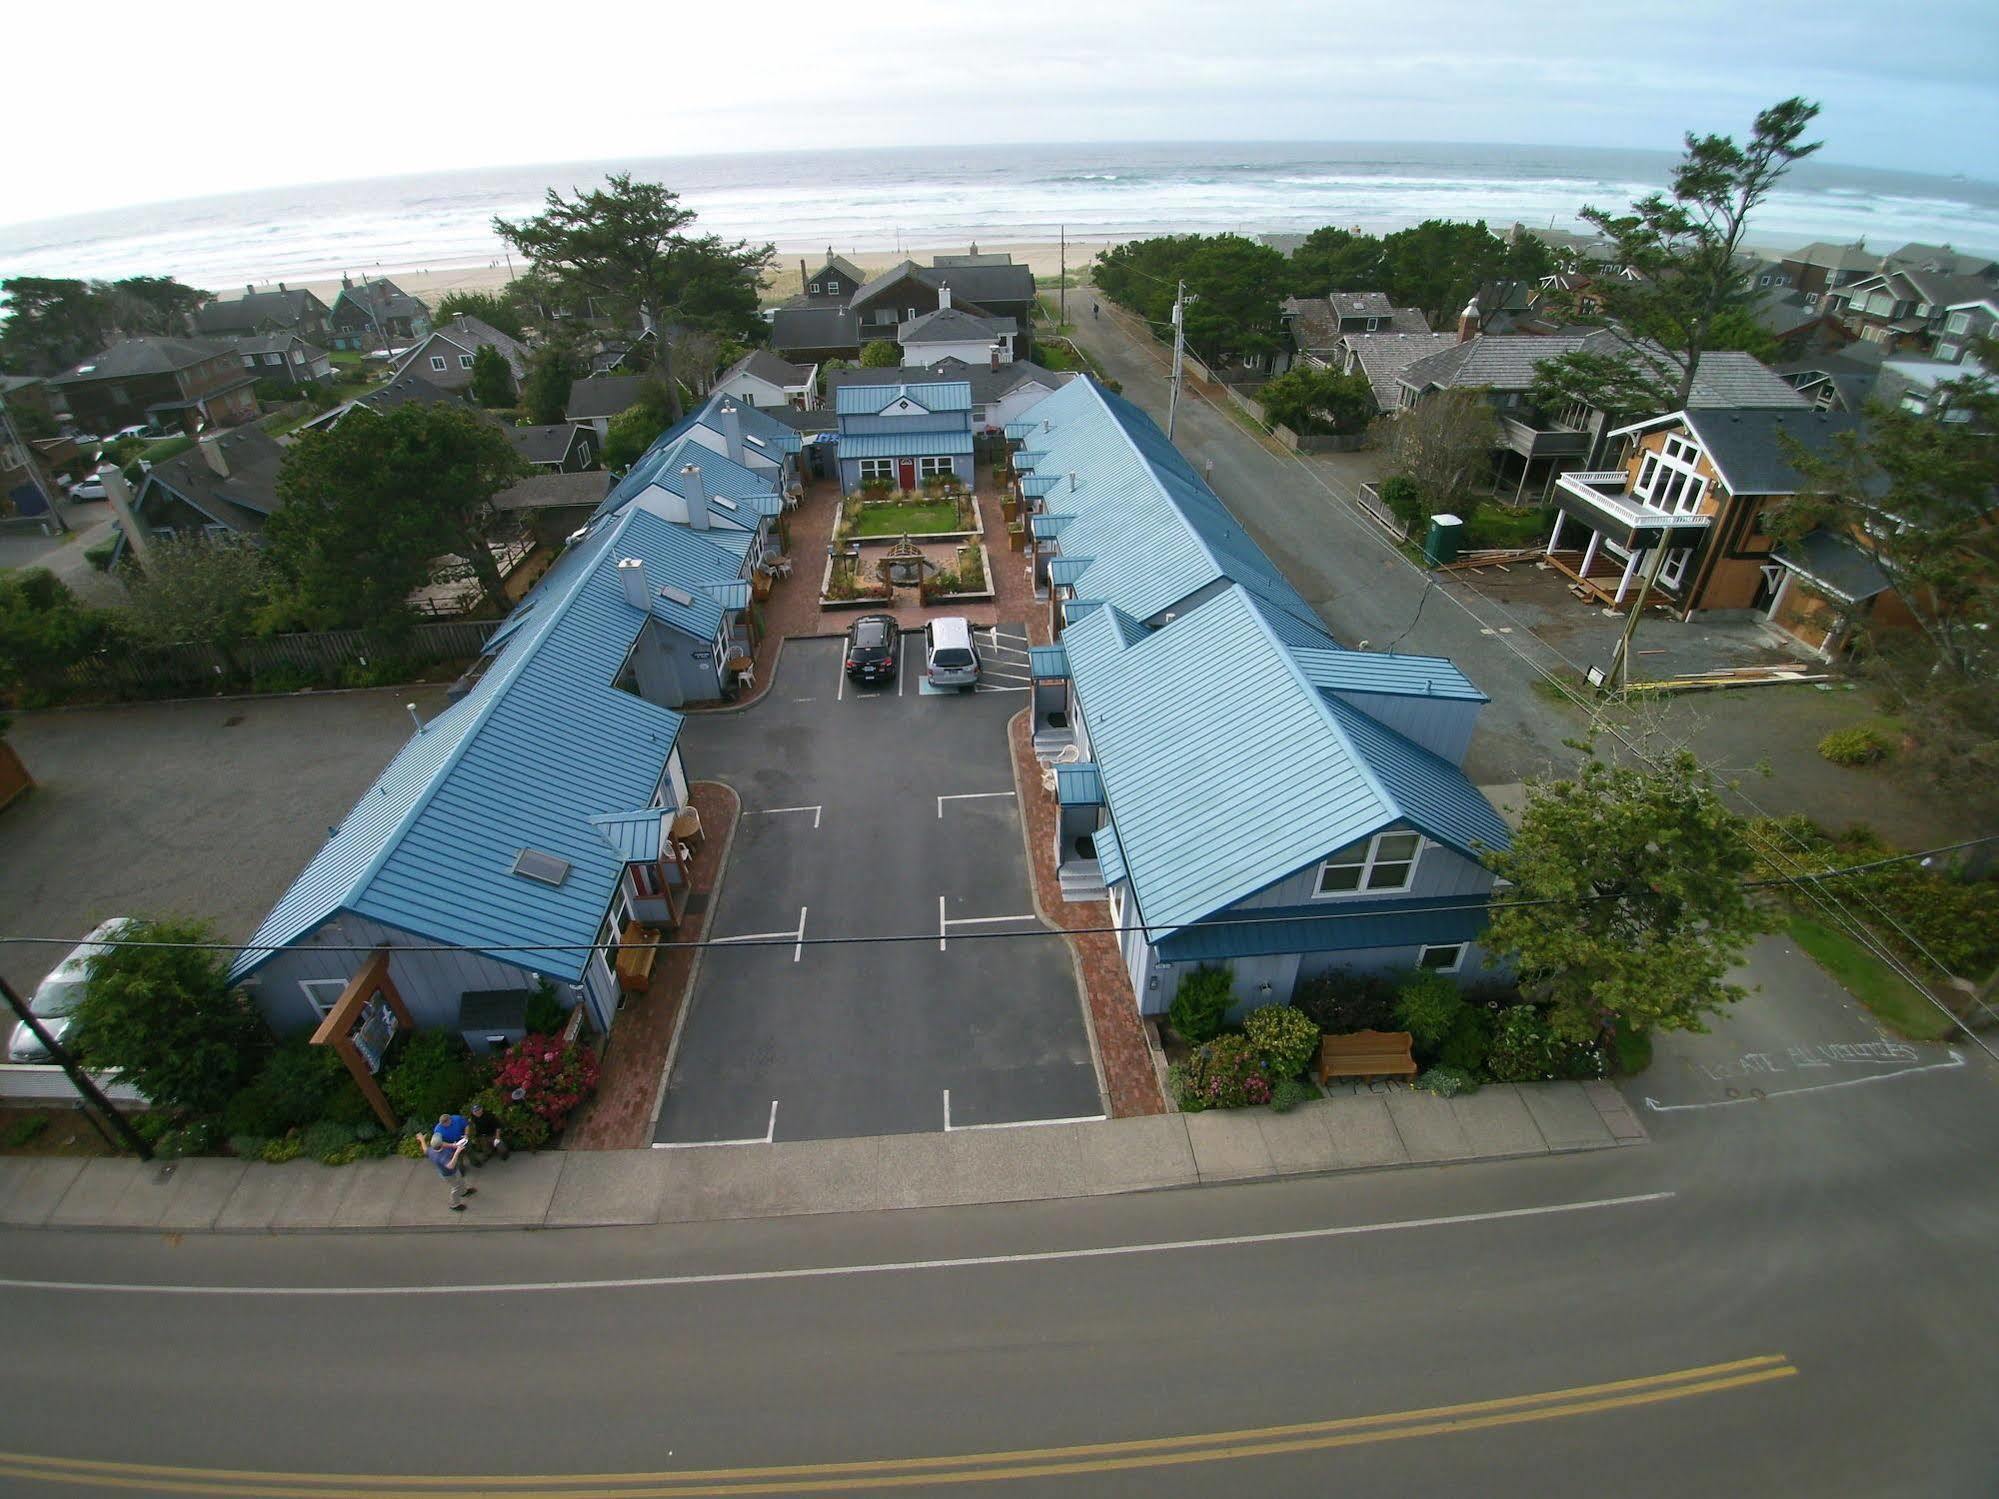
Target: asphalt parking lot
<point>871,812</point>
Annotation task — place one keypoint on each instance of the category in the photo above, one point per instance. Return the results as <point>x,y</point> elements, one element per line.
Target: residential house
<point>225,488</point>
<point>813,329</point>
<point>376,314</point>
<point>953,333</point>
<point>999,395</point>
<point>760,378</point>
<point>1839,381</point>
<point>744,465</point>
<point>903,434</point>
<point>184,382</point>
<point>280,311</point>
<point>836,280</point>
<point>1822,267</point>
<point>1700,484</point>
<point>1922,387</point>
<point>1906,309</point>
<point>1314,326</point>
<point>1964,323</point>
<point>281,356</point>
<point>1942,260</point>
<point>561,448</point>
<point>444,357</point>
<point>596,399</point>
<point>553,505</point>
<point>1383,357</point>
<point>523,832</point>
<point>1312,815</point>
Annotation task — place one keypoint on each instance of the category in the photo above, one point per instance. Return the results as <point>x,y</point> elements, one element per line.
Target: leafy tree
<point>43,629</point>
<point>1443,444</point>
<point>167,1019</point>
<point>52,322</point>
<point>501,311</point>
<point>492,381</point>
<point>1642,873</point>
<point>1684,246</point>
<point>148,304</point>
<point>552,369</point>
<point>1333,260</point>
<point>880,354</point>
<point>1234,287</point>
<point>371,502</point>
<point>627,244</point>
<point>192,589</point>
<point>1307,399</point>
<point>1440,264</point>
<point>1736,328</point>
<point>638,426</point>
<point>1618,382</point>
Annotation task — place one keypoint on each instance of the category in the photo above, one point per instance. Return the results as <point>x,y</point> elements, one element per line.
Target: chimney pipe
<point>120,494</point>
<point>697,497</point>
<point>943,298</point>
<point>804,277</point>
<point>281,286</point>
<point>1468,322</point>
<point>415,717</point>
<point>211,451</point>
<point>732,432</point>
<point>638,590</point>
<point>249,289</point>
<point>995,354</point>
<point>1072,481</point>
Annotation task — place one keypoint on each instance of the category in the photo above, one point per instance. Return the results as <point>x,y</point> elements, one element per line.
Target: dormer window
<point>1381,865</point>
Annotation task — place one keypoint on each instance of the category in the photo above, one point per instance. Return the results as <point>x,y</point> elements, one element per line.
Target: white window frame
<point>877,468</point>
<point>1423,956</point>
<point>1373,324</point>
<point>274,359</point>
<point>832,286</point>
<point>1958,322</point>
<point>929,465</point>
<point>815,288</point>
<point>1667,478</point>
<point>1370,858</point>
<point>249,361</point>
<point>1674,568</point>
<point>437,363</point>
<point>308,986</point>
<point>465,361</point>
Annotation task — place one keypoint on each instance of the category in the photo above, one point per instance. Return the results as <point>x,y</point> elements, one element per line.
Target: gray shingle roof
<point>822,326</point>
<point>763,365</point>
<point>142,356</point>
<point>551,491</point>
<point>1508,361</point>
<point>278,342</point>
<point>239,501</point>
<point>983,285</point>
<point>254,310</point>
<point>1384,356</point>
<point>542,444</point>
<point>602,396</point>
<point>1835,564</point>
<point>1315,322</point>
<point>384,299</point>
<point>470,334</point>
<point>1835,257</point>
<point>1745,449</point>
<point>954,325</point>
<point>1361,303</point>
<point>1918,256</point>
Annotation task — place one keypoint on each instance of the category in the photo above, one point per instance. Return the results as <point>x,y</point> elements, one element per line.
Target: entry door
<point>905,472</point>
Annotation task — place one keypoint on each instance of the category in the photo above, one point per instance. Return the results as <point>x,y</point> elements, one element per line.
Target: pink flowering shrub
<point>546,1076</point>
<point>1225,1073</point>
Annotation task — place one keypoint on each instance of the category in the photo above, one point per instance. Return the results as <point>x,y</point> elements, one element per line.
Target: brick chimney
<point>995,351</point>
<point>1468,321</point>
<point>249,290</point>
<point>212,454</point>
<point>697,497</point>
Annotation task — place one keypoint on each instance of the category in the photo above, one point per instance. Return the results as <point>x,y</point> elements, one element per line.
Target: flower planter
<point>862,601</point>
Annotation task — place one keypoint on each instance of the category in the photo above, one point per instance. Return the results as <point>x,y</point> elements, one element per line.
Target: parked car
<point>89,489</point>
<point>137,429</point>
<point>874,646</point>
<point>949,657</point>
<point>59,993</point>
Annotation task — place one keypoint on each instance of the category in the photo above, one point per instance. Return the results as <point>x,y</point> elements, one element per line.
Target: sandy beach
<point>1044,257</point>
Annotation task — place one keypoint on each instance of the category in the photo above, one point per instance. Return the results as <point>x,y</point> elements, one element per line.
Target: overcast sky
<point>224,95</point>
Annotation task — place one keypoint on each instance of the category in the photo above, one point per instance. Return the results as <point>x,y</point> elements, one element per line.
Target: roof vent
<point>533,864</point>
<point>676,595</point>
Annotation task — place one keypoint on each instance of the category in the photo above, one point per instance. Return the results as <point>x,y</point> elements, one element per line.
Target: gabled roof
<point>241,500</point>
<point>142,356</point>
<point>602,396</point>
<point>1508,361</point>
<point>549,490</point>
<point>1384,356</point>
<point>277,341</point>
<point>761,364</point>
<point>954,325</point>
<point>255,310</point>
<point>550,444</point>
<point>814,325</point>
<point>931,395</point>
<point>988,384</point>
<point>1315,321</point>
<point>984,284</point>
<point>470,334</point>
<point>1835,257</point>
<point>1918,256</point>
<point>377,298</point>
<point>748,493</point>
<point>1226,769</point>
<point>1382,672</point>
<point>541,745</point>
<point>1745,446</point>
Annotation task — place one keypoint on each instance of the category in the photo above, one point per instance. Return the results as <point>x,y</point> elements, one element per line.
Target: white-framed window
<point>1446,957</point>
<point>583,452</point>
<point>1762,280</point>
<point>928,466</point>
<point>748,398</point>
<point>322,994</point>
<point>1959,322</point>
<point>1811,299</point>
<point>1375,866</point>
<point>1667,479</point>
<point>832,287</point>
<point>298,356</point>
<point>1948,351</point>
<point>884,314</point>
<point>815,288</point>
<point>877,468</point>
<point>465,361</point>
<point>249,361</point>
<point>1373,323</point>
<point>274,359</point>
<point>437,362</point>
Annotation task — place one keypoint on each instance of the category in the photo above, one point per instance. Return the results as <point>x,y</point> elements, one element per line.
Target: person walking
<point>449,1159</point>
<point>483,1131</point>
<point>1093,310</point>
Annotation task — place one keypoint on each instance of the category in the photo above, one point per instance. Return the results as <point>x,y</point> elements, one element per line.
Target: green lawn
<point>1867,979</point>
<point>894,520</point>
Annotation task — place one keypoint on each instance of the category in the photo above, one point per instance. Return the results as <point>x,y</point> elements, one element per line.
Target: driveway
<point>203,809</point>
<point>871,812</point>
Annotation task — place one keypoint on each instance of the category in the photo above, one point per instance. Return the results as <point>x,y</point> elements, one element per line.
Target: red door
<point>905,472</point>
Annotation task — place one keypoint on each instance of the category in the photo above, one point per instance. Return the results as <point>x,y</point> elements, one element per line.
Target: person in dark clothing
<point>483,1130</point>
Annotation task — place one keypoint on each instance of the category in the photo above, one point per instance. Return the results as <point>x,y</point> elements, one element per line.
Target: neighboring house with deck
<point>181,382</point>
<point>816,328</point>
<point>280,311</point>
<point>904,434</point>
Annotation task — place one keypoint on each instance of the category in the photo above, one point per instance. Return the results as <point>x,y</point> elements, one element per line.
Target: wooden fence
<point>142,671</point>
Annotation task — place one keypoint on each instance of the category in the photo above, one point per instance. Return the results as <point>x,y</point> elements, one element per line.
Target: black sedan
<point>873,642</point>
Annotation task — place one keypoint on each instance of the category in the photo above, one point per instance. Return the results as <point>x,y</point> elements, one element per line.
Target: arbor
<point>1684,246</point>
<point>198,590</point>
<point>369,503</point>
<point>501,312</point>
<point>1643,873</point>
<point>167,1019</point>
<point>552,369</point>
<point>1308,399</point>
<point>492,381</point>
<point>1442,444</point>
<point>880,354</point>
<point>626,244</point>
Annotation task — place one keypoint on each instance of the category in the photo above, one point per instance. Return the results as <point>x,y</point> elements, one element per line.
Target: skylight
<point>676,595</point>
<point>726,504</point>
<point>533,864</point>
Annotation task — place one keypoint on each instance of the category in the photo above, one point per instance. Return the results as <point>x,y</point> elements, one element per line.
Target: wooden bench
<point>1366,1054</point>
<point>637,957</point>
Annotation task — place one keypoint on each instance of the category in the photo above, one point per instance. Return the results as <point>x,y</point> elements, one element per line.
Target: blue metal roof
<point>903,444</point>
<point>1225,769</point>
<point>634,837</point>
<point>751,493</point>
<point>540,746</point>
<point>734,594</point>
<point>931,395</point>
<point>1024,460</point>
<point>1349,926</point>
<point>1038,484</point>
<point>1078,785</point>
<point>1049,525</point>
<point>1066,570</point>
<point>1110,855</point>
<point>1020,431</point>
<point>1047,661</point>
<point>1396,676</point>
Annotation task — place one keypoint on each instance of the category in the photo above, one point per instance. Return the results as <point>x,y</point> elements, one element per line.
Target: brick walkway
<point>619,1117</point>
<point>1129,1076</point>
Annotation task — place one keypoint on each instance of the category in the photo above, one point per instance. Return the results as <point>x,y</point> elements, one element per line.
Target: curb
<point>694,968</point>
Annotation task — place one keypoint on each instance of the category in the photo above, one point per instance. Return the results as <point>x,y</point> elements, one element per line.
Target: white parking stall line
<point>945,923</point>
<point>988,687</point>
<point>798,937</point>
<point>840,666</point>
<point>769,1135</point>
<point>952,1129</point>
<point>966,796</point>
<point>815,810</point>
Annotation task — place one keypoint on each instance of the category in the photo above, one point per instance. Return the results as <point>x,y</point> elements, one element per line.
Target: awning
<point>1833,565</point>
<point>1048,662</point>
<point>633,836</point>
<point>1079,785</point>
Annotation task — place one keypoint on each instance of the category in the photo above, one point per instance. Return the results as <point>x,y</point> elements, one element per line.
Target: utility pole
<point>1062,281</point>
<point>9,433</point>
<point>79,1079</point>
<point>1179,342</point>
<point>1620,662</point>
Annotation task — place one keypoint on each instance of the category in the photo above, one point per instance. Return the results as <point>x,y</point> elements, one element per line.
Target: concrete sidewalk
<point>1359,1130</point>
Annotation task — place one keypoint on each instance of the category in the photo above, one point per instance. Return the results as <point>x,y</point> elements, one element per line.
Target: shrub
<point>1427,1006</point>
<point>1341,1001</point>
<point>1446,1082</point>
<point>285,677</point>
<point>432,1076</point>
<point>545,1015</point>
<point>520,1126</point>
<point>1631,1049</point>
<point>376,1149</point>
<point>342,1155</point>
<point>247,1147</point>
<point>24,1130</point>
<point>1862,744</point>
<point>1525,1050</point>
<point>1470,1037</point>
<point>546,1076</point>
<point>197,1137</point>
<point>1203,998</point>
<point>410,1147</point>
<point>367,1130</point>
<point>1403,497</point>
<point>289,1091</point>
<point>1226,1073</point>
<point>151,1125</point>
<point>1288,1092</point>
<point>277,1152</point>
<point>1283,1036</point>
<point>323,1137</point>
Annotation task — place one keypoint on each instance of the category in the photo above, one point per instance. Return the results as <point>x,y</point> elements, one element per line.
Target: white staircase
<point>1081,880</point>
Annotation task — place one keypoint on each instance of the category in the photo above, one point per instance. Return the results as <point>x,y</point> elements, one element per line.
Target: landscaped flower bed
<point>846,586</point>
<point>883,517</point>
<point>971,577</point>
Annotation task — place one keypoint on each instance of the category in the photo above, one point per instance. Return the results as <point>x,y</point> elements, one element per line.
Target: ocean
<point>866,200</point>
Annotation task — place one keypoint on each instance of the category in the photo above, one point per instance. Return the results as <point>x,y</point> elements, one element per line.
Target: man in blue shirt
<point>450,1128</point>
<point>449,1159</point>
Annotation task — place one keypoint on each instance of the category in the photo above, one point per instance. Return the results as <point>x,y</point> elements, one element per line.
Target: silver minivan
<point>949,657</point>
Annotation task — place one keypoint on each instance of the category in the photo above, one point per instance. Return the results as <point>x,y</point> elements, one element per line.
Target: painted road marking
<point>769,1135</point>
<point>966,796</point>
<point>954,1129</point>
<point>1758,1095</point>
<point>945,923</point>
<point>833,1272</point>
<point>814,809</point>
<point>972,1467</point>
<point>799,937</point>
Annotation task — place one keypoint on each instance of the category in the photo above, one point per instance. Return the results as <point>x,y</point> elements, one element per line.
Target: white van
<point>949,657</point>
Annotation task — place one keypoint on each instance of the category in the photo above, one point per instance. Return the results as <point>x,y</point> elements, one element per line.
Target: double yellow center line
<point>919,1472</point>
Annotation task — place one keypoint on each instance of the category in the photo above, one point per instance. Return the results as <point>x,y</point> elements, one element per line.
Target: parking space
<point>871,812</point>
